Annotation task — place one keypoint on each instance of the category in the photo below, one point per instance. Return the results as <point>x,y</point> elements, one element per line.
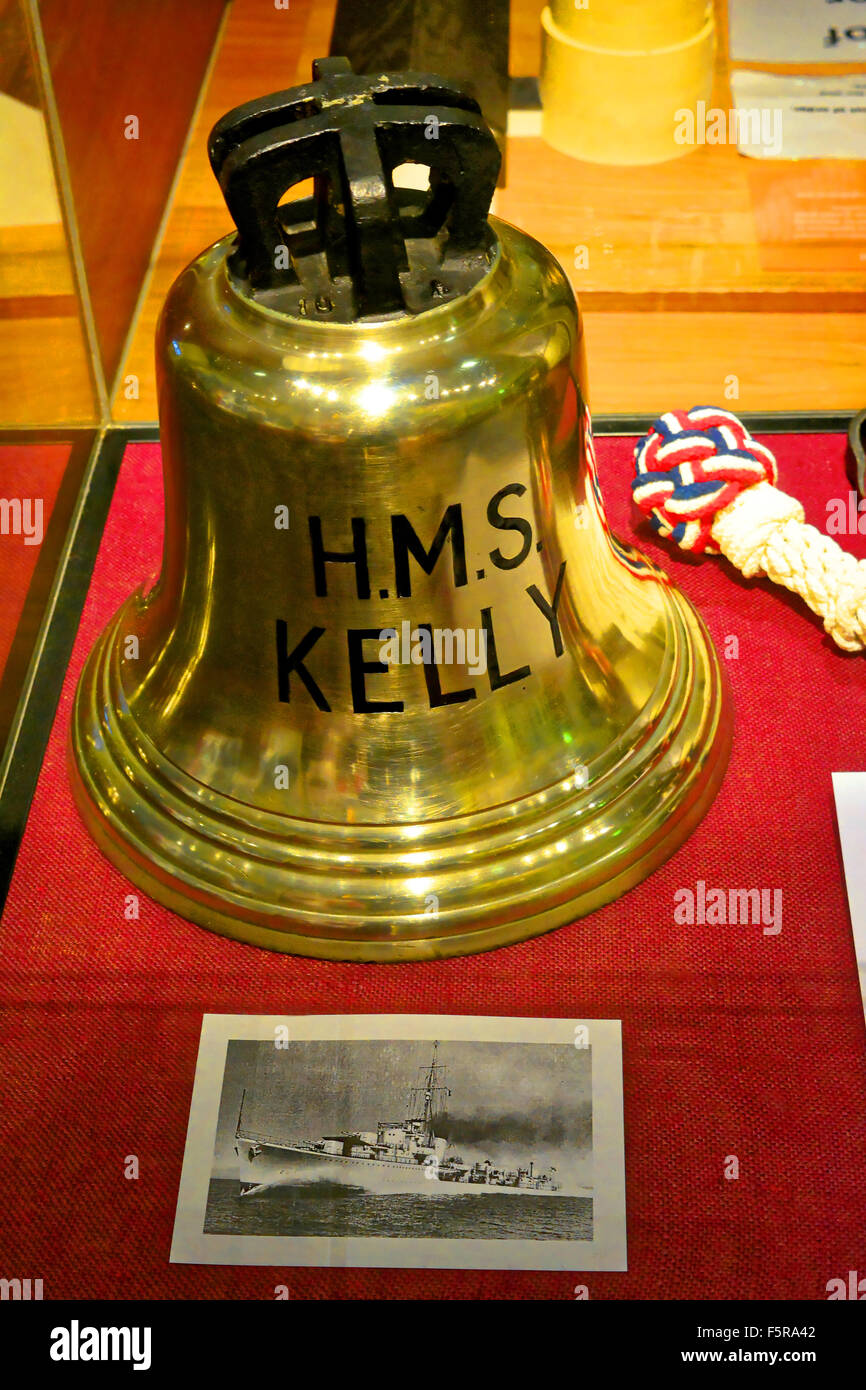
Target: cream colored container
<point>623,25</point>
<point>614,84</point>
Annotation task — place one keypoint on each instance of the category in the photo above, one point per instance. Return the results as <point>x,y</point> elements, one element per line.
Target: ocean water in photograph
<point>323,1210</point>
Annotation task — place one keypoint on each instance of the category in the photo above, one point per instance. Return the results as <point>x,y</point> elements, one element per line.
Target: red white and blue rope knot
<point>692,465</point>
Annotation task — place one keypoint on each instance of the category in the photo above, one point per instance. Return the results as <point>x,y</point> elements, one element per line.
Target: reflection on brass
<point>260,762</point>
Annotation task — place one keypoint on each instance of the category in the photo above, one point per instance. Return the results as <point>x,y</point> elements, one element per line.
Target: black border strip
<point>80,444</point>
<point>37,706</point>
<point>22,759</point>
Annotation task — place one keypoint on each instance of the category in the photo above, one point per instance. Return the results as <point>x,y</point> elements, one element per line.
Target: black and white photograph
<point>429,1141</point>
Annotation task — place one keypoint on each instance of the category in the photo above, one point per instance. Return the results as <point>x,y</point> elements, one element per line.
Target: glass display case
<point>699,173</point>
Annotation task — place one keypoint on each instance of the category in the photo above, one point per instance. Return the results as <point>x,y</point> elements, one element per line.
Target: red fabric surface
<point>34,471</point>
<point>734,1042</point>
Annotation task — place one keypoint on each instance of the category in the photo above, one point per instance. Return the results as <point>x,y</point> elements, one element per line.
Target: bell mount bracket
<point>361,247</point>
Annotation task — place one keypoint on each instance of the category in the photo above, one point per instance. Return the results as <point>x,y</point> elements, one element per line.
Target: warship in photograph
<point>398,1156</point>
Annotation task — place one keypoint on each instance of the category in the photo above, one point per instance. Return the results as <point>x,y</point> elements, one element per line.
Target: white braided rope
<point>763,531</point>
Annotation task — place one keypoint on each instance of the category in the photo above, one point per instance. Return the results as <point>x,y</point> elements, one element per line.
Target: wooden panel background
<point>45,376</point>
<point>108,59</point>
<point>677,295</point>
<point>112,60</point>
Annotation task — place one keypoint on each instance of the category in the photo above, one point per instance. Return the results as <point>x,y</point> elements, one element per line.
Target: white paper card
<point>800,117</point>
<point>850,792</point>
<point>433,1141</point>
<point>797,31</point>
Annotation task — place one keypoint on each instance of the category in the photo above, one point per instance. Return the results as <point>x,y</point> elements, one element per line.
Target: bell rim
<point>702,720</point>
<point>346,950</point>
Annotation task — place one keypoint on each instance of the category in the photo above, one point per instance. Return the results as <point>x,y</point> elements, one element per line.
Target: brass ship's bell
<point>398,692</point>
